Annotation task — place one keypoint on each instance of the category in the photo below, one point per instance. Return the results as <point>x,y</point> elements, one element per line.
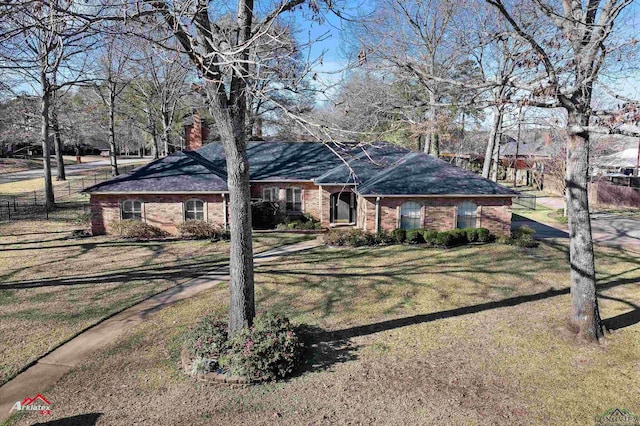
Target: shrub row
<point>455,237</point>
<point>269,350</point>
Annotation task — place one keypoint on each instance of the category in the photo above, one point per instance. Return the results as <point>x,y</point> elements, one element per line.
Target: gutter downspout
<point>224,207</point>
<point>377,214</point>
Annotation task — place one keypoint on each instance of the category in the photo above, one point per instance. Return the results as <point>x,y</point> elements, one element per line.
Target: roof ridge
<point>381,174</point>
<point>196,156</point>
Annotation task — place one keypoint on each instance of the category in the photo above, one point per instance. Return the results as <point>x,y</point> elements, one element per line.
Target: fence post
<point>69,183</point>
<point>35,198</point>
<point>95,178</point>
<point>82,180</point>
<point>15,208</point>
<point>8,211</point>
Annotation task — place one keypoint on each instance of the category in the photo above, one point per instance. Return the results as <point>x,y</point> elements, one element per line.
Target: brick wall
<point>327,190</point>
<point>165,211</point>
<point>310,197</point>
<point>437,213</point>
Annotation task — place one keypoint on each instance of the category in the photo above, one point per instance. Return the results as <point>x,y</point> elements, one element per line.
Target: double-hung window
<point>410,215</point>
<point>467,215</point>
<point>194,210</point>
<point>131,209</point>
<point>294,199</point>
<point>270,194</point>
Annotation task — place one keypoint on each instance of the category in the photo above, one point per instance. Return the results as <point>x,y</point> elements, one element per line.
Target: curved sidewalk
<point>51,367</point>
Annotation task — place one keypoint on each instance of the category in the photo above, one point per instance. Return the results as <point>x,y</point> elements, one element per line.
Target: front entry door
<point>343,207</point>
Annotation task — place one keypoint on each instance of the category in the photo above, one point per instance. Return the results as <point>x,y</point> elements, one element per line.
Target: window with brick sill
<point>131,209</point>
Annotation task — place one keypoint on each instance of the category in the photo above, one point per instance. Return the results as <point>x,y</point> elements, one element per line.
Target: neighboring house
<point>377,187</point>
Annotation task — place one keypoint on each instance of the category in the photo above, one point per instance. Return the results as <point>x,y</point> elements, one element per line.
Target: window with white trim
<point>194,210</point>
<point>270,194</point>
<point>131,209</point>
<point>467,215</point>
<point>410,215</point>
<point>294,199</point>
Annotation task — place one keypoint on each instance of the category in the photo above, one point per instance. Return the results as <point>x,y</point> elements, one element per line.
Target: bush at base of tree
<point>137,229</point>
<point>197,229</point>
<point>208,340</point>
<point>269,350</point>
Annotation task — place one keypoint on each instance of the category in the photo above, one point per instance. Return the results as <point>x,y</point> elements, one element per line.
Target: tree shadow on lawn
<point>322,353</point>
<point>79,420</point>
<point>170,272</point>
<point>617,322</point>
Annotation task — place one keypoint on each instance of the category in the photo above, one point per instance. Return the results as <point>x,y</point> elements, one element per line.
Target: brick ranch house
<point>374,187</point>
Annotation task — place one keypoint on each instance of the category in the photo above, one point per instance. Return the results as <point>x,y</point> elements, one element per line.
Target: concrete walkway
<point>50,368</point>
<point>607,228</point>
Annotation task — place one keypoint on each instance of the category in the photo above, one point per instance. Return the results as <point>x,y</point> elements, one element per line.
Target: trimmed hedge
<point>197,229</point>
<point>137,230</point>
<point>522,237</point>
<point>452,238</point>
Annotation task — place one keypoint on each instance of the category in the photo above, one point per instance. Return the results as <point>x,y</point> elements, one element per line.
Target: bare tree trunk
<point>166,129</point>
<point>46,153</point>
<point>434,137</point>
<point>232,133</point>
<point>57,142</point>
<point>112,131</point>
<point>585,315</point>
<point>491,143</point>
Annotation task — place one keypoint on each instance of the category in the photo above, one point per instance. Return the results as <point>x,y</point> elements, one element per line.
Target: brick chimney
<point>194,133</point>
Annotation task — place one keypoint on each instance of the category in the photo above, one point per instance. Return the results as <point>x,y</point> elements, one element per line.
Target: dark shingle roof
<point>185,171</point>
<point>364,163</point>
<point>422,174</point>
<point>280,160</point>
<point>381,169</point>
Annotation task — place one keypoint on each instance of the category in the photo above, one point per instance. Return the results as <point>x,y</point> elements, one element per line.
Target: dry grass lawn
<point>53,286</point>
<point>411,335</point>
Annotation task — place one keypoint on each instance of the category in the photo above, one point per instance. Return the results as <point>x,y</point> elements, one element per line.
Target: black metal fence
<point>62,211</point>
<point>525,201</point>
<point>70,203</point>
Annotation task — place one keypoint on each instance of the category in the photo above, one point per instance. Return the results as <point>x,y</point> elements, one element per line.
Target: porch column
<point>224,212</point>
<point>377,214</point>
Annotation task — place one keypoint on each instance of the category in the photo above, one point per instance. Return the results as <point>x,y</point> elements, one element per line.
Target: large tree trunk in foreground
<point>231,125</point>
<point>585,316</point>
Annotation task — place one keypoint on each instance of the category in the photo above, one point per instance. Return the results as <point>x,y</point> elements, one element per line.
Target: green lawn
<point>56,286</point>
<point>405,335</point>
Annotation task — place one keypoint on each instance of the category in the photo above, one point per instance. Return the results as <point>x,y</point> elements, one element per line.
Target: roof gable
<point>363,163</point>
<point>182,171</point>
<point>422,174</point>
